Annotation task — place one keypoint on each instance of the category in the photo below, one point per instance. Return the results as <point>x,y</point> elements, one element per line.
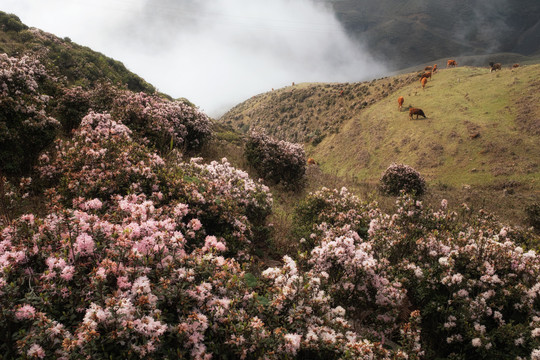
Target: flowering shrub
<point>275,161</point>
<point>72,106</point>
<point>164,122</point>
<point>118,281</point>
<point>25,127</point>
<point>475,289</point>
<point>358,281</point>
<point>400,177</point>
<point>100,160</point>
<point>332,207</point>
<point>223,198</point>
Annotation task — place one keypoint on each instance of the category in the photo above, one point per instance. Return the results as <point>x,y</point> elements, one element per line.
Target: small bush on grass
<point>533,215</point>
<point>276,161</point>
<point>400,177</point>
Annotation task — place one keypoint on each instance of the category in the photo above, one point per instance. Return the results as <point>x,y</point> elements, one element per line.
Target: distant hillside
<point>482,128</point>
<point>78,64</point>
<point>409,32</point>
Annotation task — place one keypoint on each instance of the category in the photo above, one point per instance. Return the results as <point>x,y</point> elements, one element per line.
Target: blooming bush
<point>400,177</point>
<point>100,160</point>
<point>333,208</point>
<point>223,198</point>
<point>162,121</point>
<point>25,127</point>
<point>474,287</point>
<point>358,281</point>
<point>275,161</point>
<point>118,280</point>
<point>72,106</point>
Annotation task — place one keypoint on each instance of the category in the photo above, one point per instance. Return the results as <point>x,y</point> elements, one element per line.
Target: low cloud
<point>215,53</point>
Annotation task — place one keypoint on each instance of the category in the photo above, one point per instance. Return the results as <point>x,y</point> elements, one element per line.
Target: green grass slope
<point>308,112</point>
<point>482,128</point>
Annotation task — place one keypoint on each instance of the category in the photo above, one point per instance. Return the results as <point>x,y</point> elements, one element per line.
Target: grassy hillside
<point>481,127</point>
<point>308,112</point>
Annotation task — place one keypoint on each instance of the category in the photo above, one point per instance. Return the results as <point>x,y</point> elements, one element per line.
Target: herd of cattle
<point>428,71</point>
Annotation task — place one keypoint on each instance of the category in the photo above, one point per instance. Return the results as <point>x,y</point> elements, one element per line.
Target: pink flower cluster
<point>100,160</point>
<point>274,160</point>
<point>25,126</point>
<point>465,277</point>
<point>164,122</point>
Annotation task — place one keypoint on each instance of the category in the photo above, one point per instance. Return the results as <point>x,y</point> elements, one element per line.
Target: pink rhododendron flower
<point>25,312</point>
<point>84,245</point>
<point>36,351</point>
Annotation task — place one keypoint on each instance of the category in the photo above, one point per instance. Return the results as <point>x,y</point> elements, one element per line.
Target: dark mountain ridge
<point>405,33</point>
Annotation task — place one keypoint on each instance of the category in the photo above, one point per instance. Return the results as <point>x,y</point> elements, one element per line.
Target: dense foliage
<point>401,177</point>
<point>277,161</point>
<point>25,126</point>
<point>35,106</point>
<point>476,288</point>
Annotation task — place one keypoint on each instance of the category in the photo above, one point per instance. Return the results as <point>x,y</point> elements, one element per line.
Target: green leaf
<point>263,300</point>
<point>250,280</point>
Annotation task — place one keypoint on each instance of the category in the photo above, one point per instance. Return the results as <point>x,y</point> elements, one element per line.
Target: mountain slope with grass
<point>481,127</point>
<point>479,145</point>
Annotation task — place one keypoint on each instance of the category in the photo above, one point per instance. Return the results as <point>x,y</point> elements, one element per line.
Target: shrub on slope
<point>275,161</point>
<point>25,127</point>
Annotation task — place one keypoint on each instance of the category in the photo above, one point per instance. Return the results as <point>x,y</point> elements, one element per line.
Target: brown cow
<point>417,112</point>
<point>426,75</point>
<point>423,81</point>
<point>515,66</point>
<point>434,68</point>
<point>400,101</point>
<point>311,161</point>
<point>494,67</point>
<point>428,68</point>
<point>451,63</point>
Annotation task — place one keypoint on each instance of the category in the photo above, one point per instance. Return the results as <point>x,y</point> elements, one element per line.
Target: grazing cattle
<point>428,68</point>
<point>417,112</point>
<point>451,63</point>
<point>311,161</point>
<point>434,68</point>
<point>515,66</point>
<point>426,75</point>
<point>400,101</point>
<point>423,81</point>
<point>494,67</point>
